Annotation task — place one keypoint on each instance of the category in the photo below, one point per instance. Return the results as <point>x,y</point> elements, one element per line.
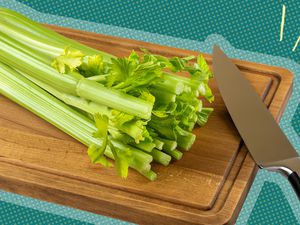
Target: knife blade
<point>262,136</point>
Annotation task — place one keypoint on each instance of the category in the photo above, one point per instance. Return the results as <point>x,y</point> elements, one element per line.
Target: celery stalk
<point>186,141</point>
<point>150,175</point>
<point>160,157</point>
<point>115,99</point>
<point>25,93</point>
<point>42,37</point>
<point>194,85</point>
<point>72,100</point>
<point>162,95</point>
<point>170,85</point>
<point>85,88</point>
<point>140,155</point>
<point>174,153</point>
<point>145,146</point>
<point>158,143</point>
<point>21,90</point>
<point>21,61</point>
<point>169,145</point>
<point>90,107</point>
<point>142,167</point>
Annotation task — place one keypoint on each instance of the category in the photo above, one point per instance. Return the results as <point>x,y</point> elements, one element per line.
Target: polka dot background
<point>15,214</point>
<point>249,25</point>
<point>271,193</point>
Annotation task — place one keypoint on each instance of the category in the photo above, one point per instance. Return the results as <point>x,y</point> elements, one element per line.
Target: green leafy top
<point>134,72</point>
<point>93,65</point>
<point>96,153</point>
<point>198,71</point>
<point>129,124</point>
<point>70,59</point>
<point>130,73</point>
<point>122,157</point>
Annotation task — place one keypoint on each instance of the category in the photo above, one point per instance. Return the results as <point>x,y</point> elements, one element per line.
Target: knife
<point>262,136</point>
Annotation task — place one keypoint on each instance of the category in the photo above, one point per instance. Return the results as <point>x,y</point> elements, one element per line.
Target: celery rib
<point>174,153</point>
<point>25,93</point>
<point>85,88</point>
<point>39,32</point>
<point>114,99</point>
<point>30,96</point>
<point>160,157</point>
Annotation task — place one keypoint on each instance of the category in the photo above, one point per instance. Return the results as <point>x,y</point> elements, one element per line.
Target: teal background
<point>271,193</point>
<point>249,25</point>
<point>15,214</point>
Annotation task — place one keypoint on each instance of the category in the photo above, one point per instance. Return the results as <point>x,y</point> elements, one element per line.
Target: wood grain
<point>207,186</point>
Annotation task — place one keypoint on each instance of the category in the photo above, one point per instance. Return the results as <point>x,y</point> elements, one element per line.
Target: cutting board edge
<point>34,185</point>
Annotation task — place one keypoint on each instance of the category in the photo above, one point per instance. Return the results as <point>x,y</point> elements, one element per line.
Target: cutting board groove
<point>208,186</point>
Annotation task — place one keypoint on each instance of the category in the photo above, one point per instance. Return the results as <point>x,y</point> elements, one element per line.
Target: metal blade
<point>260,132</point>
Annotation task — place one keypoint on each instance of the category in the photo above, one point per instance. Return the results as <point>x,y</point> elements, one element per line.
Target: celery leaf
<point>96,153</point>
<point>68,60</point>
<point>129,124</point>
<point>122,160</point>
<point>93,65</point>
<point>129,73</point>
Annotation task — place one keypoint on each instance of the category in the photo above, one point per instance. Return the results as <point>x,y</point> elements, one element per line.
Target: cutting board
<point>208,186</point>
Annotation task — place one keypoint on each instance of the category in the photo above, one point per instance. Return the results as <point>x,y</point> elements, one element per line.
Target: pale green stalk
<point>160,157</point>
<point>21,90</point>
<point>82,87</point>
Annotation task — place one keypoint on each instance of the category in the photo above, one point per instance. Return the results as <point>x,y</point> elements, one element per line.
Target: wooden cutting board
<point>208,186</point>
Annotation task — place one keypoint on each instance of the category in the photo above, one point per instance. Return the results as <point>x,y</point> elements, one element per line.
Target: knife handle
<point>285,170</point>
<point>294,179</point>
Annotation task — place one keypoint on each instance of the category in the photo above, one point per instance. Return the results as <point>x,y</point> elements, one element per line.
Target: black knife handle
<point>294,179</point>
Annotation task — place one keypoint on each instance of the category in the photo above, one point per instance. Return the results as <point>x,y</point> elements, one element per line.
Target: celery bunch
<point>133,109</point>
